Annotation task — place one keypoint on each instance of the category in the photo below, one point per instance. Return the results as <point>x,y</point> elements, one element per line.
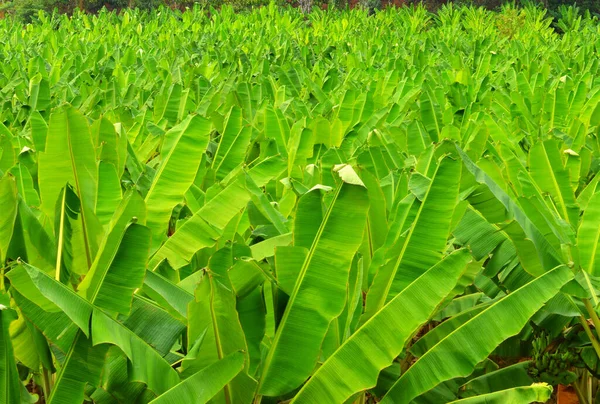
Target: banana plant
<point>276,206</point>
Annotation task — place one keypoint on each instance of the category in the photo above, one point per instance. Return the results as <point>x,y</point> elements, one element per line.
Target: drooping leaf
<point>204,227</point>
<point>481,334</point>
<point>147,365</point>
<point>214,310</point>
<point>547,254</point>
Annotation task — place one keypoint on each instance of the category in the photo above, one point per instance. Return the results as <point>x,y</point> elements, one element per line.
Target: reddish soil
<point>566,395</point>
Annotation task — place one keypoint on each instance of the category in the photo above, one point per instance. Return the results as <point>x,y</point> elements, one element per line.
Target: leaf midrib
<point>76,177</point>
<point>555,183</point>
<point>407,241</point>
<point>301,275</point>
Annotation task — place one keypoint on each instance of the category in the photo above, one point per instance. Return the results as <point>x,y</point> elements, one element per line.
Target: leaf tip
<point>348,175</point>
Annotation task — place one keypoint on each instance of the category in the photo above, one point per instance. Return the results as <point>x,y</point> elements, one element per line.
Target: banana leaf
<point>481,335</point>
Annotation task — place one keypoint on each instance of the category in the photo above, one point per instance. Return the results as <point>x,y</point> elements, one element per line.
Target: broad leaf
<point>484,332</point>
<point>355,366</point>
<point>319,292</point>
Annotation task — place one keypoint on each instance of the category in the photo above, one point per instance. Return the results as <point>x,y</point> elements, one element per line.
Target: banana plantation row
<point>326,208</point>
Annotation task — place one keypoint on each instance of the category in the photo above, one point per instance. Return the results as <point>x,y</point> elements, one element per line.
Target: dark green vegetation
<point>28,9</point>
<point>268,207</point>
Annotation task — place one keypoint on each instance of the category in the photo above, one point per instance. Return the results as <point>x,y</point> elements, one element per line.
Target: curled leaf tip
<point>347,174</point>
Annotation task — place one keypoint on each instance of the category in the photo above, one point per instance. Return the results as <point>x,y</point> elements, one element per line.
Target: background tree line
<point>28,9</point>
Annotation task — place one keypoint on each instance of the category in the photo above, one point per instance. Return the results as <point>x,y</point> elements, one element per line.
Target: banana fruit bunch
<point>553,362</point>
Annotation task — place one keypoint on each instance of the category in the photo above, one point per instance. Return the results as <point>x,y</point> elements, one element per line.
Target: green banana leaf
<point>588,237</point>
<point>111,144</point>
<point>204,384</point>
<point>212,316</point>
<point>82,365</point>
<point>119,270</point>
<point>319,293</point>
<point>37,246</point>
<point>231,149</point>
<point>434,336</point>
<point>548,171</point>
<point>204,227</point>
<point>536,393</point>
<point>154,325</point>
<point>24,343</point>
<point>355,366</point>
<point>253,316</point>
<point>170,296</point>
<point>10,384</point>
<point>109,192</point>
<point>25,184</point>
<point>69,158</point>
<point>457,354</point>
<point>425,241</point>
<point>8,204</point>
<point>181,155</point>
<point>147,364</point>
<point>72,256</point>
<point>547,254</point>
<point>505,378</point>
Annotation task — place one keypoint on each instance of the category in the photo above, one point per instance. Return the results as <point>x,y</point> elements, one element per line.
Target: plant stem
<point>589,380</point>
<point>590,335</point>
<point>593,315</point>
<point>580,394</point>
<point>46,379</point>
<point>405,363</point>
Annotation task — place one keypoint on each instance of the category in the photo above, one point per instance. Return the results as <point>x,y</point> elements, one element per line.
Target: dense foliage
<point>27,9</point>
<point>267,206</point>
